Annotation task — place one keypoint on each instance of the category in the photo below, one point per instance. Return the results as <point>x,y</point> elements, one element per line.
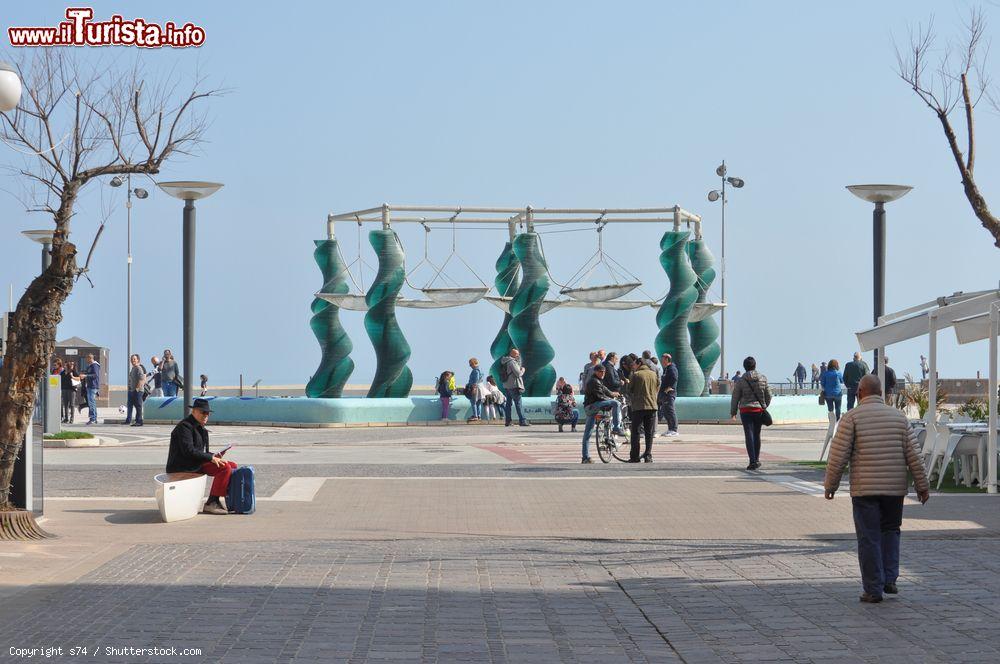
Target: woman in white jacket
<point>492,400</point>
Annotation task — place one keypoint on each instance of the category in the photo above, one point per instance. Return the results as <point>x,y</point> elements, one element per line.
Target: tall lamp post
<point>44,238</point>
<point>189,192</point>
<point>141,194</point>
<point>714,195</point>
<point>879,194</point>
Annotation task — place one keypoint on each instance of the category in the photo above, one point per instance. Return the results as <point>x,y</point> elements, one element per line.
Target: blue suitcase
<point>240,499</point>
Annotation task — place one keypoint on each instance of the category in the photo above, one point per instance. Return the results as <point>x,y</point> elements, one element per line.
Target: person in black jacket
<point>612,377</point>
<point>189,454</point>
<point>890,379</point>
<point>597,397</point>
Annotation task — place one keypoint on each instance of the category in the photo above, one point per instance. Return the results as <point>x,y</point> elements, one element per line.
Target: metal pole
<point>46,262</point>
<point>722,333</point>
<point>931,415</point>
<point>991,445</point>
<point>878,256</point>
<point>188,267</point>
<point>128,280</point>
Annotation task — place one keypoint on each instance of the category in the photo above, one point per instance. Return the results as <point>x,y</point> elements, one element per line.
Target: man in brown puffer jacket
<point>879,443</point>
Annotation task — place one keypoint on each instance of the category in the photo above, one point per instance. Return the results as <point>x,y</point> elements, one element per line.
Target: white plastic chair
<point>179,495</point>
<point>970,456</point>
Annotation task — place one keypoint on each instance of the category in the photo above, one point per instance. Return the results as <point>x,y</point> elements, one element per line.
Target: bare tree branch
<point>938,94</point>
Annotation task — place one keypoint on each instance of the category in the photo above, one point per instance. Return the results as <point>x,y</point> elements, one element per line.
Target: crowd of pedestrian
<point>80,386</point>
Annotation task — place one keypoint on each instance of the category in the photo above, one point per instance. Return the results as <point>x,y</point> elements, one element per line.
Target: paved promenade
<point>443,545</point>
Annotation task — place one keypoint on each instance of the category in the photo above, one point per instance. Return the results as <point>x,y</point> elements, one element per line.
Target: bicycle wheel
<point>602,439</point>
<point>622,448</point>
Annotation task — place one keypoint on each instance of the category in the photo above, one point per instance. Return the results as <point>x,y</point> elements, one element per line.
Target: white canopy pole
<point>991,447</point>
<point>931,415</point>
<point>881,369</point>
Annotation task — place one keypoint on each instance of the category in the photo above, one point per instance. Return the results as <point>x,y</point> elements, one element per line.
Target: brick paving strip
<point>534,600</point>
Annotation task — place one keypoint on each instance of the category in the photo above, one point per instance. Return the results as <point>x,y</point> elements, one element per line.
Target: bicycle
<point>607,446</point>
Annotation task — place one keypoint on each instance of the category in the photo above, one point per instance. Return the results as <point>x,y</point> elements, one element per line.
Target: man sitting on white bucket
<point>189,454</point>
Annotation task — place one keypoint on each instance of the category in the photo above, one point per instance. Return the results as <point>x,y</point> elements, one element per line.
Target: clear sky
<point>337,106</point>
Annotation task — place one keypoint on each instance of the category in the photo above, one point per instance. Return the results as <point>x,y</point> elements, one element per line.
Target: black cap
<point>201,404</point>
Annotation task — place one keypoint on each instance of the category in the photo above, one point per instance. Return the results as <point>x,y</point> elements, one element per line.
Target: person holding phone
<point>189,453</point>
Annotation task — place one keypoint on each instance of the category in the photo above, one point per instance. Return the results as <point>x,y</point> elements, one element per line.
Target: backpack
<point>240,499</point>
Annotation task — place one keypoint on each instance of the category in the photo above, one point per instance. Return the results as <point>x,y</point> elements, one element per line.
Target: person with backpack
<point>445,391</point>
<point>512,379</point>
<point>474,390</point>
<point>189,453</point>
<point>751,397</point>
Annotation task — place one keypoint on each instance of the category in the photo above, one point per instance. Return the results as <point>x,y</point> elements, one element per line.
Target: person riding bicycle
<point>598,397</point>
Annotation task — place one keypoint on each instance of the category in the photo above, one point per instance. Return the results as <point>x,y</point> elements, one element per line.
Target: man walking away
<point>92,380</point>
<point>814,385</point>
<point>189,454</point>
<point>668,393</point>
<point>890,379</point>
<point>652,363</point>
<point>643,387</point>
<point>136,380</point>
<point>597,397</point>
<point>511,375</point>
<point>880,445</point>
<point>855,370</point>
<point>800,375</point>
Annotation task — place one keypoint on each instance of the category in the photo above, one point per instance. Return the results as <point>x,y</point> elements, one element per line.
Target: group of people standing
<point>485,398</point>
<point>80,388</point>
<point>833,383</point>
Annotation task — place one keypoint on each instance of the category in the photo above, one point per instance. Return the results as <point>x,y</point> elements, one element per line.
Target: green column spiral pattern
<point>672,317</point>
<point>704,333</point>
<point>392,376</point>
<point>507,281</point>
<point>524,328</point>
<point>336,365</point>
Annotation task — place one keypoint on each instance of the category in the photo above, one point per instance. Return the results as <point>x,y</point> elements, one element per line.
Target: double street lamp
<point>189,191</point>
<point>715,195</point>
<point>141,194</point>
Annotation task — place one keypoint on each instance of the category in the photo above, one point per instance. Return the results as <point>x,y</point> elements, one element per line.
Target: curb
<point>96,441</point>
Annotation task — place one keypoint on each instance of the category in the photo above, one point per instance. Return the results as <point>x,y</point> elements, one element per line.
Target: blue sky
<point>337,106</point>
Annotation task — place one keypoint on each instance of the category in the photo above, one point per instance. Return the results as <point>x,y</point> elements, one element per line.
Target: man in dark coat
<point>667,395</point>
<point>189,454</point>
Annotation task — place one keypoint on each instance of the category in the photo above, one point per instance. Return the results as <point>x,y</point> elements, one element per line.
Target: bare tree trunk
<point>30,343</point>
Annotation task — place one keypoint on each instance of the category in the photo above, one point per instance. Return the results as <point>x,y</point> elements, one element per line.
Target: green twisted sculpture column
<point>336,365</point>
<point>507,281</point>
<point>704,333</point>
<point>524,328</point>
<point>672,317</point>
<point>392,376</point>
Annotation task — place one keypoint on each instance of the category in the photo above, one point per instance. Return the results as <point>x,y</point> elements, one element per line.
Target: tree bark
<point>31,339</point>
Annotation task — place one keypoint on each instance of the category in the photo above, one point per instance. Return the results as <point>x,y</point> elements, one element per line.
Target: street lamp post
<point>44,238</point>
<point>879,194</point>
<point>189,192</point>
<point>141,194</point>
<point>714,195</point>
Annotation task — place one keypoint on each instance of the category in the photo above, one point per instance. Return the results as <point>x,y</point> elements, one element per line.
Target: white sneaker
<point>671,434</point>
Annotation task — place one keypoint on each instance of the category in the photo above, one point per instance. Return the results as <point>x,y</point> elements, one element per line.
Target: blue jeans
<point>876,521</point>
<point>477,407</point>
<point>752,422</point>
<point>92,404</point>
<point>592,410</point>
<point>134,402</point>
<point>169,388</point>
<point>834,402</point>
<point>513,395</point>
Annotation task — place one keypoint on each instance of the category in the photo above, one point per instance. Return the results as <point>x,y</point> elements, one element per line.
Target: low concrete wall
<point>302,411</point>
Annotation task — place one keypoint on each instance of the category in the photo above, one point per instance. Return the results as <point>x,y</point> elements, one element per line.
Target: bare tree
<point>76,123</point>
<point>958,80</point>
